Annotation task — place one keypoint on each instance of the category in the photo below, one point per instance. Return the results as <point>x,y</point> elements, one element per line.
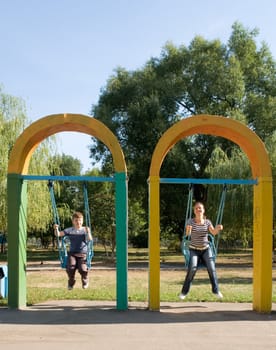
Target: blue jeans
<point>207,258</point>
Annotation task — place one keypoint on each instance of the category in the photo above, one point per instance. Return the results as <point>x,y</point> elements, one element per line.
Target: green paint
<point>17,238</point>
<point>121,240</point>
<point>17,235</point>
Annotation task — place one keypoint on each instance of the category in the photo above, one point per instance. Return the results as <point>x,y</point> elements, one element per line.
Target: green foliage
<point>13,120</point>
<point>102,206</point>
<point>39,205</point>
<point>259,76</point>
<point>271,148</point>
<point>235,80</point>
<point>137,225</point>
<point>69,195</point>
<point>237,219</point>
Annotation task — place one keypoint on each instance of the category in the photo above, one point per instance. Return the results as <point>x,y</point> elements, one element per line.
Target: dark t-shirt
<point>77,240</point>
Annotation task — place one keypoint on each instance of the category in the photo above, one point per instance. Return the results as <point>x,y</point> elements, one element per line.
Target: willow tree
<point>69,195</point>
<point>13,120</point>
<point>40,213</point>
<point>238,210</point>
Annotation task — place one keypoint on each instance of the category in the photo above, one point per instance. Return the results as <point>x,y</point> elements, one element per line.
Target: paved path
<point>80,324</point>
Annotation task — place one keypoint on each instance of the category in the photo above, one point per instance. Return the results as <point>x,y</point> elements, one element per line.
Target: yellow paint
<point>154,245</point>
<point>255,150</point>
<point>49,125</point>
<point>262,246</point>
<point>230,129</point>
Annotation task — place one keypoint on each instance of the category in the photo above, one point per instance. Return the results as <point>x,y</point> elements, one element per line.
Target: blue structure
<point>4,281</point>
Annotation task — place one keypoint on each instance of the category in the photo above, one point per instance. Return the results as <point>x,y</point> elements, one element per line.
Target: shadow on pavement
<point>71,312</point>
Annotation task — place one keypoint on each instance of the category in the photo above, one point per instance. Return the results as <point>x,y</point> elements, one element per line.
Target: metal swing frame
<point>63,243</point>
<point>213,242</point>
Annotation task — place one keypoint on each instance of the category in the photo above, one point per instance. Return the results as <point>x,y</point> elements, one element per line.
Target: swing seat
<point>185,245</point>
<point>90,254</point>
<point>64,247</point>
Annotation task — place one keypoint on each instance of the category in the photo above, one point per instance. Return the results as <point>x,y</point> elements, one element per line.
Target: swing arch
<point>255,150</point>
<point>17,198</point>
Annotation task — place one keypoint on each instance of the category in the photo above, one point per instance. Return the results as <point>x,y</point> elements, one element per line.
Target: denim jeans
<point>207,258</point>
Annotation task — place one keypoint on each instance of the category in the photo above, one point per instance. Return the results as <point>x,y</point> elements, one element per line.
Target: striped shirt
<point>199,234</point>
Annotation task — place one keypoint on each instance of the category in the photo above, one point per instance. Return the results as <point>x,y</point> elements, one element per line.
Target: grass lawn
<point>49,282</point>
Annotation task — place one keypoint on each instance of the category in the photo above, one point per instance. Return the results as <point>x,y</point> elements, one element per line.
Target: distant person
<point>198,228</point>
<point>76,260</point>
<point>3,241</point>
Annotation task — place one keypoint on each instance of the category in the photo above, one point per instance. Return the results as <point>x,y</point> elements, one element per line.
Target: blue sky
<point>57,55</point>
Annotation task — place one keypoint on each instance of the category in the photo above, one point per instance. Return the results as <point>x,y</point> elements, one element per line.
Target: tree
<point>39,216</point>
<point>13,120</point>
<point>69,195</point>
<point>101,197</point>
<point>235,80</point>
<point>258,71</point>
<point>137,225</point>
<point>271,148</point>
<point>238,211</point>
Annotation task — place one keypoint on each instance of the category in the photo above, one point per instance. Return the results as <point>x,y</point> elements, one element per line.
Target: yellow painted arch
<point>255,150</point>
<point>230,129</point>
<point>52,124</point>
<point>17,198</point>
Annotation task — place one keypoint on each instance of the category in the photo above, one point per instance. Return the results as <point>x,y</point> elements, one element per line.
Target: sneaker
<point>219,295</point>
<point>71,286</point>
<point>85,285</point>
<point>182,296</point>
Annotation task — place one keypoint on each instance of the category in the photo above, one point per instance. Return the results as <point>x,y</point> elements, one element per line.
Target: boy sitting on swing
<point>78,236</point>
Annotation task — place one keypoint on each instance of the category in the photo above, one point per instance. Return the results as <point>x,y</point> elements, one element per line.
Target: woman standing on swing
<point>198,228</point>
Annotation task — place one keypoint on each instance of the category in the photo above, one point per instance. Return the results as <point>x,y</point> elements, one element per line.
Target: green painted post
<point>17,238</point>
<point>121,240</point>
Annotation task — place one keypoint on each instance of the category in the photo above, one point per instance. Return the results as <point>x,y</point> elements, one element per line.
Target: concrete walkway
<point>80,324</point>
